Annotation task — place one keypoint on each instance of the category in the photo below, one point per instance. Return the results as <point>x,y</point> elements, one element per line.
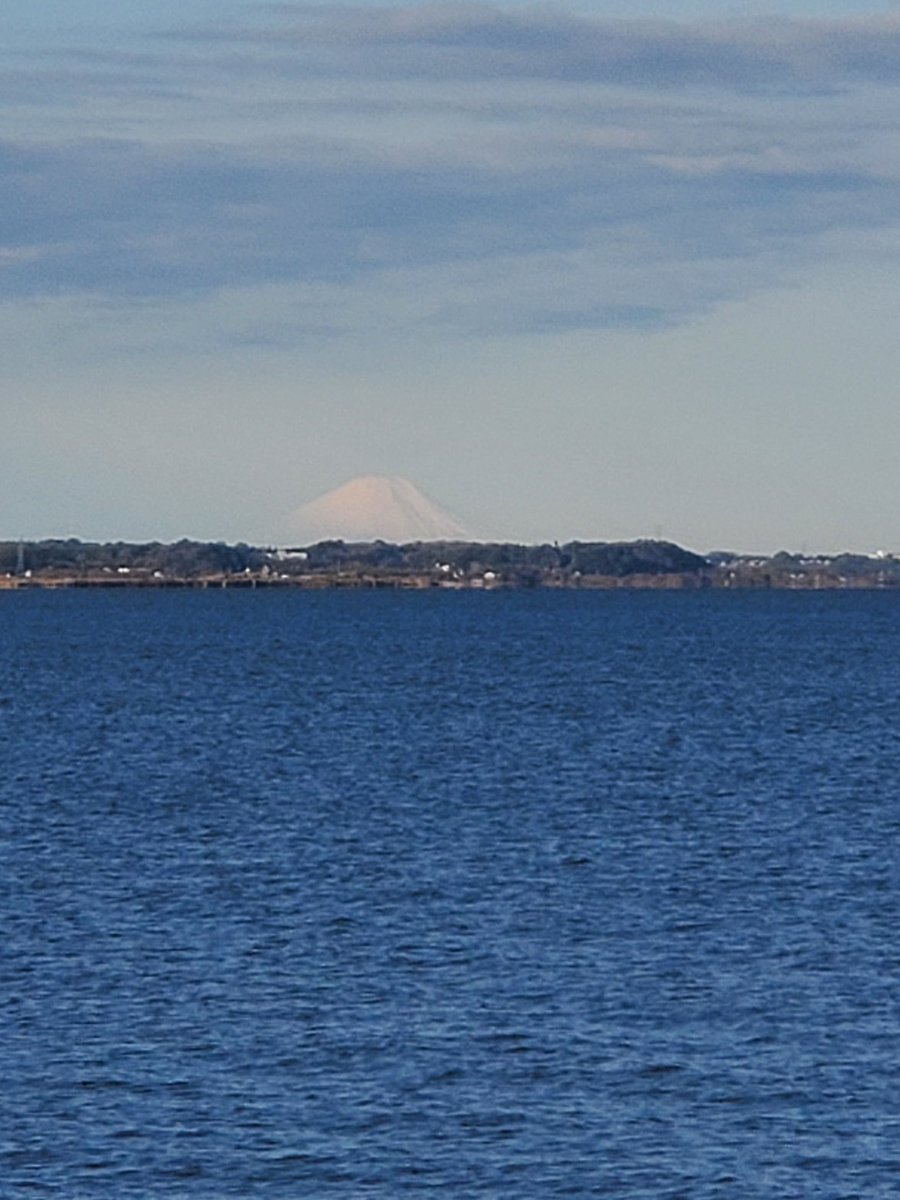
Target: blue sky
<point>575,269</point>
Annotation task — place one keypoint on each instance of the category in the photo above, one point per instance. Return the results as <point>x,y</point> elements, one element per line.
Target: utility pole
<point>20,558</point>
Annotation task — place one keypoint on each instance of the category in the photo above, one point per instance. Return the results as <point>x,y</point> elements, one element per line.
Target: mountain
<point>373,507</point>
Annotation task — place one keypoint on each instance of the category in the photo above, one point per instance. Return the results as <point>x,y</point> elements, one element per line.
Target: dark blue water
<point>480,895</point>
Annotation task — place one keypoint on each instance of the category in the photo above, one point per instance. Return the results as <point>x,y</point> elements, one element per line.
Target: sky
<point>578,270</point>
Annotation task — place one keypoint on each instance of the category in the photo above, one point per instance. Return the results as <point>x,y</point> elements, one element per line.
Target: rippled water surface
<point>479,895</point>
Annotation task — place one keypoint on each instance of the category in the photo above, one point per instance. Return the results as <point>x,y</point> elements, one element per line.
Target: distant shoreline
<point>638,565</point>
<point>716,580</point>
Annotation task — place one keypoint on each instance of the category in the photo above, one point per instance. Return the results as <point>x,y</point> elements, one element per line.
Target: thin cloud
<point>476,41</point>
<point>521,169</point>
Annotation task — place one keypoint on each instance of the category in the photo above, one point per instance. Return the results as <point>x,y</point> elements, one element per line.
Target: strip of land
<point>71,563</point>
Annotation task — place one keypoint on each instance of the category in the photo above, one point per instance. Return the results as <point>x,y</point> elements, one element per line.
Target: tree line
<point>186,558</point>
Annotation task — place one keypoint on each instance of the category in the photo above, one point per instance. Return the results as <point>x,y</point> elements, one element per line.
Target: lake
<point>504,894</point>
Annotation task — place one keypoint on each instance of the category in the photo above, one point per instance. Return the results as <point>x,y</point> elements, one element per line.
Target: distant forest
<point>451,563</point>
<point>590,558</point>
<point>184,558</point>
<point>188,559</point>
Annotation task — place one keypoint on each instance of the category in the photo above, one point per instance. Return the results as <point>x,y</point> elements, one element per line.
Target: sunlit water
<point>479,895</point>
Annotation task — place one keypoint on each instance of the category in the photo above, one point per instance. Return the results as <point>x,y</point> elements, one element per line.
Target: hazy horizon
<point>658,533</point>
<point>574,275</point>
<point>435,513</point>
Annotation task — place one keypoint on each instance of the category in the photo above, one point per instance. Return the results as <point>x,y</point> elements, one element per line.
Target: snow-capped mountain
<point>372,507</point>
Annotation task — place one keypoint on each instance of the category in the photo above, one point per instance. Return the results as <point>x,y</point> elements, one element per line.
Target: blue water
<point>480,895</point>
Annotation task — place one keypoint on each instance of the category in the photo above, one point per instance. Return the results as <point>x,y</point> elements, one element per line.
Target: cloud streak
<point>479,168</point>
<point>479,41</point>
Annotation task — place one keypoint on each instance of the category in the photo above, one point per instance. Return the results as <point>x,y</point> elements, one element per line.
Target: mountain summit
<point>375,507</point>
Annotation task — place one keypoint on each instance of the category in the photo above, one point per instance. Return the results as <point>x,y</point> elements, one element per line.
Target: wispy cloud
<point>470,41</point>
<point>477,167</point>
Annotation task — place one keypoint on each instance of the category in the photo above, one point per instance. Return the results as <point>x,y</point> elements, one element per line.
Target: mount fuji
<point>375,507</point>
